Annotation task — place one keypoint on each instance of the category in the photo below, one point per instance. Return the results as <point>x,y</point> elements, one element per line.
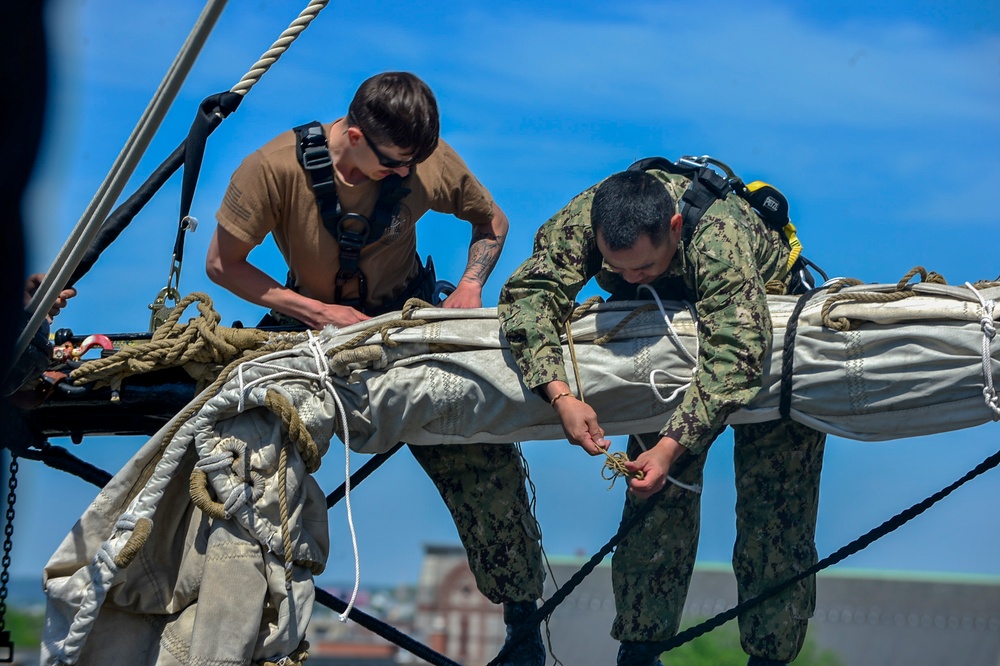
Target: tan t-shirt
<point>270,193</point>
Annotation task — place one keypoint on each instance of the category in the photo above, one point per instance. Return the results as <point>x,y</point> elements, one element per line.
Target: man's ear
<point>676,222</point>
<point>354,135</point>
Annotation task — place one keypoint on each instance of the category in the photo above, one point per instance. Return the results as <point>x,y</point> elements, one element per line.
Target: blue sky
<point>882,125</point>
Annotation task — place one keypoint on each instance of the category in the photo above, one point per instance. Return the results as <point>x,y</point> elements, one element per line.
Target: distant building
<point>866,618</point>
<point>454,618</point>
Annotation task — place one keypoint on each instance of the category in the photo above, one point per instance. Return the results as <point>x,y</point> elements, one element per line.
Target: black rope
<point>522,632</point>
<point>858,544</point>
<point>210,114</point>
<point>386,631</point>
<point>60,459</point>
<point>788,353</point>
<point>361,475</point>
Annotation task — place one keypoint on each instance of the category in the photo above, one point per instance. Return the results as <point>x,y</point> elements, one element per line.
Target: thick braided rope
<point>383,330</point>
<point>281,45</point>
<point>901,293</point>
<point>298,434</point>
<point>274,345</point>
<point>197,346</point>
<point>286,532</point>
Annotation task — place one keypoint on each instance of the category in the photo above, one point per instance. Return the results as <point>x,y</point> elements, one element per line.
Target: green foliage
<point>721,647</point>
<point>25,628</point>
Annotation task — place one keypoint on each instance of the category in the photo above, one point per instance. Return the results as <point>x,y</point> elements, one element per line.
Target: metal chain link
<point>8,542</point>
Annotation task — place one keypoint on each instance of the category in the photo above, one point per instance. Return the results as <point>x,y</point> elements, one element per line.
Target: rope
<point>136,540</point>
<point>989,332</point>
<point>201,347</point>
<point>549,605</point>
<point>901,293</point>
<point>89,225</point>
<point>386,631</point>
<point>858,544</point>
<point>284,40</point>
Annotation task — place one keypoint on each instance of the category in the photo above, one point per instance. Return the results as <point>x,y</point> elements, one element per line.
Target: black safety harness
<point>352,231</point>
<point>708,186</point>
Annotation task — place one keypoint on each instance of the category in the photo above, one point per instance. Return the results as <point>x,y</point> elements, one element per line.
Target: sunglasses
<point>383,159</point>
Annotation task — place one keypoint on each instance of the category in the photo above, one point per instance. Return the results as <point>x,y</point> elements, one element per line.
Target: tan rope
<point>201,347</point>
<point>382,330</point>
<point>297,432</point>
<point>201,498</point>
<point>608,337</point>
<point>135,542</point>
<point>901,292</point>
<point>614,467</point>
<point>286,532</point>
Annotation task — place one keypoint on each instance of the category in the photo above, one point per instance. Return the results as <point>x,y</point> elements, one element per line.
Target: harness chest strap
<point>352,231</point>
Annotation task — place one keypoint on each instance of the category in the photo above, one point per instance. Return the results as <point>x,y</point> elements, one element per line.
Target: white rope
<point>672,334</point>
<point>693,487</point>
<point>989,332</point>
<point>676,392</point>
<point>322,375</point>
<point>279,47</point>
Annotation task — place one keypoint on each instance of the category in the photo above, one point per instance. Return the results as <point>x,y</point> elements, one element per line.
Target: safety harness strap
<point>352,231</point>
<point>706,187</point>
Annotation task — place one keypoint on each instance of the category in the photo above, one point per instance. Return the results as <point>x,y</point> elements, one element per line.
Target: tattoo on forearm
<point>484,250</point>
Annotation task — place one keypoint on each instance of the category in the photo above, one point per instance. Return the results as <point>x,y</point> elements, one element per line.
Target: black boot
<point>764,661</point>
<point>639,653</point>
<point>528,650</point>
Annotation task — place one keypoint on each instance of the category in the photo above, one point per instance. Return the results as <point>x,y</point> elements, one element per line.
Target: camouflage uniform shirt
<point>723,270</point>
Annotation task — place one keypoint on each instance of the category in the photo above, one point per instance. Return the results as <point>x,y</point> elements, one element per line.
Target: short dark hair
<point>628,204</point>
<point>397,108</point>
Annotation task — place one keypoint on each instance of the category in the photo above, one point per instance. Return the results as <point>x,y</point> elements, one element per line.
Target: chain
<point>8,544</point>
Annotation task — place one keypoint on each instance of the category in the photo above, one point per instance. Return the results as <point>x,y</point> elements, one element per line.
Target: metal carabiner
<point>161,311</point>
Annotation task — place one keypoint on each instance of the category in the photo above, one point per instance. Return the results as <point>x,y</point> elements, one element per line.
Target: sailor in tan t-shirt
<point>390,131</point>
<point>271,193</point>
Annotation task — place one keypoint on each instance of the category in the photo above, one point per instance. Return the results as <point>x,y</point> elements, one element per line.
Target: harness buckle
<point>352,232</point>
<point>315,156</point>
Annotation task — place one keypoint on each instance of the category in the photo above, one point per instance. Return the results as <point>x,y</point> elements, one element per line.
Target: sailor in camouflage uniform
<point>626,232</point>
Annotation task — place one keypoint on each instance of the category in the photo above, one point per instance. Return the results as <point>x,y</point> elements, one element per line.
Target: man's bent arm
<point>484,251</point>
<point>228,267</point>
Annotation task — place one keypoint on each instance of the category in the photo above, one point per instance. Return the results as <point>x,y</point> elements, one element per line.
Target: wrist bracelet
<point>557,396</point>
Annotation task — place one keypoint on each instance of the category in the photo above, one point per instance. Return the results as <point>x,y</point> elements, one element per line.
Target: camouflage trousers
<point>778,466</point>
<point>483,486</point>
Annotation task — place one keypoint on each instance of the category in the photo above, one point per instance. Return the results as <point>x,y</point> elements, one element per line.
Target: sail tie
<point>989,332</point>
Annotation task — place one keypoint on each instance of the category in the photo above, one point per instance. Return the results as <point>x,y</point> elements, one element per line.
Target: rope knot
<point>614,467</point>
<point>986,321</point>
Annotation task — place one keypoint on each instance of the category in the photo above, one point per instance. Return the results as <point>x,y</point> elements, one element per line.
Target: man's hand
<point>655,466</point>
<point>466,295</point>
<point>579,420</point>
<point>32,284</point>
<point>336,315</point>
